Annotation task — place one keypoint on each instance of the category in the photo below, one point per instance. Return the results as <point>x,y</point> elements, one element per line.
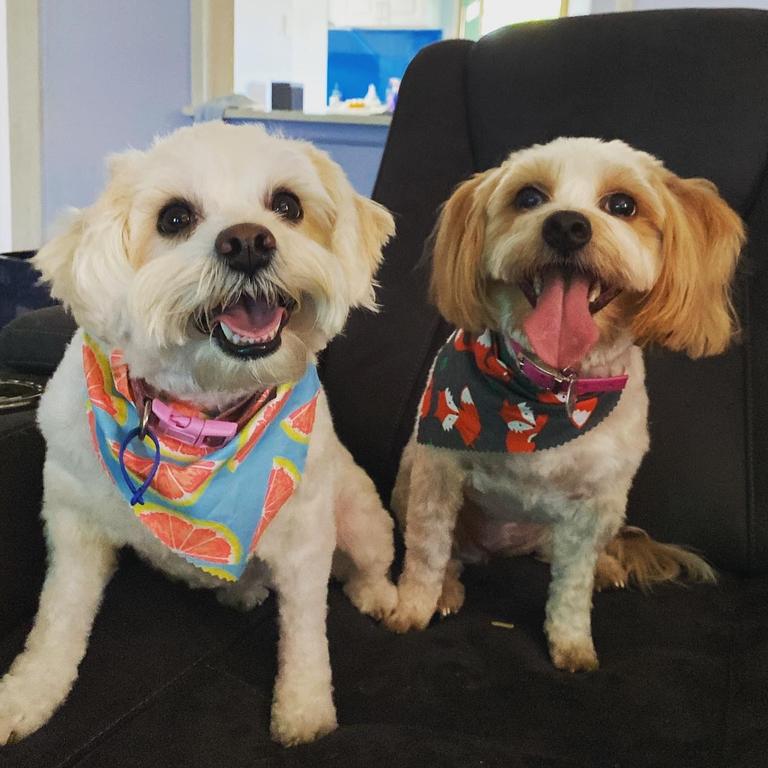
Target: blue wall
<point>113,74</point>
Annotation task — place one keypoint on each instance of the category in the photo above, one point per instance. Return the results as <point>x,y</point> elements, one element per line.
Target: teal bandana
<point>209,505</point>
<point>477,399</point>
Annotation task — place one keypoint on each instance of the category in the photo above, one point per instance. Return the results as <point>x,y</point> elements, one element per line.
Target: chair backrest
<point>688,86</point>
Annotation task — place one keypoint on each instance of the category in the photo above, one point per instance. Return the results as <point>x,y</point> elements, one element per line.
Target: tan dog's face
<point>222,253</point>
<point>578,242</point>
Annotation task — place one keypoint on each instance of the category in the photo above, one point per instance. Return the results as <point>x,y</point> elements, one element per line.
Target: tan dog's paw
<point>452,597</point>
<point>377,599</point>
<point>404,620</point>
<point>574,657</point>
<point>609,573</point>
<point>414,610</point>
<point>300,718</point>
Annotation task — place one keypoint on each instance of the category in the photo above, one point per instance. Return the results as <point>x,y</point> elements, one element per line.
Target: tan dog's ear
<point>457,284</point>
<point>86,265</point>
<point>361,228</point>
<point>689,308</point>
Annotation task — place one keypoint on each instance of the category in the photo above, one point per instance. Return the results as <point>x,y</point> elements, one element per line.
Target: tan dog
<point>562,262</point>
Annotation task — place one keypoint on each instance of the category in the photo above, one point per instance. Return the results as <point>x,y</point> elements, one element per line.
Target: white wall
<point>282,42</point>
<point>5,146</point>
<point>395,14</point>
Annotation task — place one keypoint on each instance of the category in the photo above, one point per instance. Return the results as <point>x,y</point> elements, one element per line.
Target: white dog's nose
<point>246,247</point>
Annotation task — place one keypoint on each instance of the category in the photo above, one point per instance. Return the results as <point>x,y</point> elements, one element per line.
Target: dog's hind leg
<point>364,540</point>
<point>452,596</point>
<point>81,563</point>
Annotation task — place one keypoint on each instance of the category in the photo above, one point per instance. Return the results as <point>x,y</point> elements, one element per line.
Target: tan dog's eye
<point>175,218</point>
<point>619,204</point>
<point>287,205</point>
<point>529,197</point>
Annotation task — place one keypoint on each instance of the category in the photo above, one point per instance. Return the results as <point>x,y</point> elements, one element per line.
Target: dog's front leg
<point>81,562</point>
<point>576,542</point>
<point>302,709</point>
<point>434,500</point>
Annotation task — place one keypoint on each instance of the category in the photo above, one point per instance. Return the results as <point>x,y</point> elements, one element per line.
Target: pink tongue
<point>560,328</point>
<point>252,318</point>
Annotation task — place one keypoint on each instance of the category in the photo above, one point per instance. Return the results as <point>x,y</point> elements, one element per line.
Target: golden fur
<point>667,264</point>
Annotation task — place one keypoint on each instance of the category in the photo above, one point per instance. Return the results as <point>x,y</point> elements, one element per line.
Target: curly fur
<point>134,289</point>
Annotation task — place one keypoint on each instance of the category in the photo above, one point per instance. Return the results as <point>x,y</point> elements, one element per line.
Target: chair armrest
<point>22,546</point>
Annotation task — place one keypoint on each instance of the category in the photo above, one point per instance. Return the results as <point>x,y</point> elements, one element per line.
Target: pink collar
<point>189,426</point>
<point>557,381</point>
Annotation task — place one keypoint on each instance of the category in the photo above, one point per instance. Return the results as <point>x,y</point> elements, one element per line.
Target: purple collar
<point>557,381</point>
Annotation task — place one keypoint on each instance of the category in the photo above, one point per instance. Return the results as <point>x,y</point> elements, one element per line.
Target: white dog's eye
<point>529,197</point>
<point>619,204</point>
<point>287,205</point>
<point>175,218</point>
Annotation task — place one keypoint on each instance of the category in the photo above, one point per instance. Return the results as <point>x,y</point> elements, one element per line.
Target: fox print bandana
<point>209,505</point>
<point>478,400</point>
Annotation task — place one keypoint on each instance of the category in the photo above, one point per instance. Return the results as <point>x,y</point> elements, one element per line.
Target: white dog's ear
<point>689,308</point>
<point>86,265</point>
<point>361,229</point>
<point>457,285</point>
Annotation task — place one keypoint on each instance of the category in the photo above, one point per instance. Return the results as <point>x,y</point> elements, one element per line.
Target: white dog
<point>205,280</point>
<point>555,267</point>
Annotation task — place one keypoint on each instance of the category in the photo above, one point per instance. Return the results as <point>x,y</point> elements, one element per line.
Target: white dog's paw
<point>242,599</point>
<point>374,598</point>
<point>299,717</point>
<point>20,713</point>
<point>574,656</point>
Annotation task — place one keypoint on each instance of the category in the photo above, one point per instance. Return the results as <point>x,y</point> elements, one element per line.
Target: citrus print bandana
<point>210,505</point>
<point>478,400</point>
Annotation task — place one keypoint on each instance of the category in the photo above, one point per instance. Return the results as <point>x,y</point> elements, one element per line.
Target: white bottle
<point>371,99</point>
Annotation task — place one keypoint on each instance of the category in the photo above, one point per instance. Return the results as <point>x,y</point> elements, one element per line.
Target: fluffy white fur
<point>673,261</point>
<point>134,289</point>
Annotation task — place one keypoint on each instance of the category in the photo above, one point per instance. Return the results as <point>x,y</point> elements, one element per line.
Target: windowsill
<point>240,113</point>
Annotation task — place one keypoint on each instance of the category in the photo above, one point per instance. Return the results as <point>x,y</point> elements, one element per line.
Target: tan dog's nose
<point>246,247</point>
<point>567,231</point>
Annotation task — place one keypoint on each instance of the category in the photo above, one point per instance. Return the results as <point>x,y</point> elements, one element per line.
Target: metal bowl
<point>16,394</point>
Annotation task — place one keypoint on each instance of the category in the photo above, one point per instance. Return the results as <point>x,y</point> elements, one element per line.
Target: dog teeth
<point>537,285</point>
<point>596,290</point>
<point>243,341</point>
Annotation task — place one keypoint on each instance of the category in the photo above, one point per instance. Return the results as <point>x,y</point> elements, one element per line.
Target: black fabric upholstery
<point>35,342</point>
<point>172,678</point>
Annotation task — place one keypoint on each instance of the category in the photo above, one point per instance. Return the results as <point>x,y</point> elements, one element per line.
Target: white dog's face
<point>220,260</point>
<point>579,242</point>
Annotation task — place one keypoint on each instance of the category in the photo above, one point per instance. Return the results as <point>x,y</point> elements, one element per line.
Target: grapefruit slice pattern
<point>202,539</point>
<point>298,425</point>
<point>282,482</point>
<point>250,436</point>
<point>175,482</point>
<point>94,378</point>
<point>120,374</point>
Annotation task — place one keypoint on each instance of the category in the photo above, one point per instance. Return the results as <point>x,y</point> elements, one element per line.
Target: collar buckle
<point>192,430</point>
